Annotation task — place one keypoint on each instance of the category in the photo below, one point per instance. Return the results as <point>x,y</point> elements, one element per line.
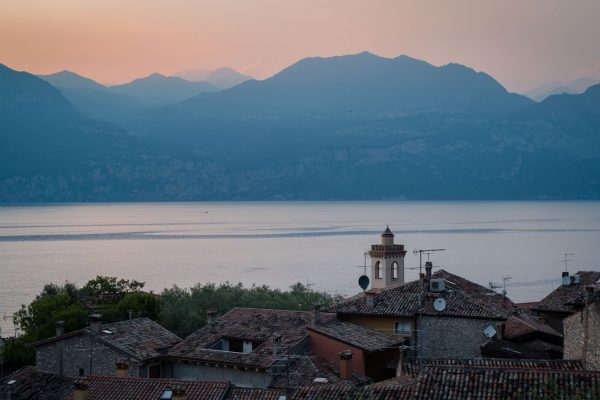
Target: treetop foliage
<point>180,310</point>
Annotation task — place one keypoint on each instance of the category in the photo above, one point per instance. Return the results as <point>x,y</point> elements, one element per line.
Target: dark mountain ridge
<point>356,127</point>
<point>157,89</point>
<point>364,85</point>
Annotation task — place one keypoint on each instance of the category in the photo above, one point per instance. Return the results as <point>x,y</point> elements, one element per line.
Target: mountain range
<point>350,127</point>
<point>223,78</point>
<point>546,90</point>
<point>120,103</point>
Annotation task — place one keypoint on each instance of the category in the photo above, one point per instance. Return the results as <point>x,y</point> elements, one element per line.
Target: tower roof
<point>387,232</point>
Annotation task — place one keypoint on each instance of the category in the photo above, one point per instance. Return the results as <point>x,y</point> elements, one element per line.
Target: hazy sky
<point>521,43</point>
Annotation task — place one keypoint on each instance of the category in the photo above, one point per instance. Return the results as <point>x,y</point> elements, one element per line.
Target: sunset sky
<point>521,43</point>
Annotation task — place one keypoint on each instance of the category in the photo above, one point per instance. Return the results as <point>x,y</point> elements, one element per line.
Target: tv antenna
<point>505,279</point>
<point>566,260</point>
<point>364,281</point>
<point>428,252</point>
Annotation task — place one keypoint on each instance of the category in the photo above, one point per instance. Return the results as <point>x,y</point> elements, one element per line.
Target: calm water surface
<point>278,244</point>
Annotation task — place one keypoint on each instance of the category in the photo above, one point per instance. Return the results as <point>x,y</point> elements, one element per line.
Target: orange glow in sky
<point>520,43</point>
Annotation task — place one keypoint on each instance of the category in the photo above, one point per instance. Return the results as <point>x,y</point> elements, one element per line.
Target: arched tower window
<point>378,270</point>
<point>394,270</point>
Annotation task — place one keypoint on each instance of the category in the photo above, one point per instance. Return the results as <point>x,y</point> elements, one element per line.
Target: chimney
<point>178,393</point>
<point>211,315</point>
<point>428,268</point>
<point>60,328</point>
<point>370,298</point>
<point>401,368</point>
<point>96,323</point>
<point>276,344</point>
<point>81,391</point>
<point>317,314</point>
<point>345,364</point>
<point>565,278</point>
<point>122,370</point>
<point>589,294</point>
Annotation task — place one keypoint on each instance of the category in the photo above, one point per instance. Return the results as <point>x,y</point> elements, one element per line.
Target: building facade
<point>582,331</point>
<point>137,345</point>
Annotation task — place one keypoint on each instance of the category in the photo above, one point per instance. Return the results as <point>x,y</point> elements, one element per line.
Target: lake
<point>280,243</point>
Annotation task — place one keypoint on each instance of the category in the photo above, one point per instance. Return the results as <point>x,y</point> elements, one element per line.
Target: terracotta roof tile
<point>253,324</point>
<point>366,393</point>
<point>141,338</point>
<point>355,335</point>
<point>463,299</point>
<point>525,324</point>
<point>111,388</point>
<point>254,394</point>
<point>558,300</point>
<point>304,370</point>
<point>452,383</point>
<point>31,384</point>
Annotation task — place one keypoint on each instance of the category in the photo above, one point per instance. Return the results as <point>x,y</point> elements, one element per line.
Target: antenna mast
<point>566,260</point>
<point>425,251</point>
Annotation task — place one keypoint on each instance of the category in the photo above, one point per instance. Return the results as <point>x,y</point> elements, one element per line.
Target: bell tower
<point>387,261</point>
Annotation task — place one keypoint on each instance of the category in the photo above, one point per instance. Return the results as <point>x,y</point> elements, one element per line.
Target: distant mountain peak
<point>223,77</point>
<point>152,76</point>
<point>71,80</point>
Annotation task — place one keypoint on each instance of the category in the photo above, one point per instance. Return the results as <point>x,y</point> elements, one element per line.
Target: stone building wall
<point>450,337</point>
<point>215,373</point>
<point>582,336</point>
<point>574,337</point>
<point>76,355</point>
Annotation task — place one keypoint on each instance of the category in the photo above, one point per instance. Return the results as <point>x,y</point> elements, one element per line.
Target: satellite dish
<point>363,282</point>
<point>489,331</point>
<point>439,304</point>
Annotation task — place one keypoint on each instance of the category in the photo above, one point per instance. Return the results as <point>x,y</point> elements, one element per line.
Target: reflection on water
<point>279,244</point>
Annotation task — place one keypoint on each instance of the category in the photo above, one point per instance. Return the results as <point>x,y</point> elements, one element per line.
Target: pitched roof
<point>112,388</point>
<point>525,324</point>
<point>414,367</point>
<point>557,301</point>
<point>452,383</point>
<point>30,384</point>
<point>404,301</point>
<point>528,365</point>
<point>141,338</point>
<point>513,350</point>
<point>238,393</point>
<point>305,369</point>
<point>364,393</point>
<point>253,324</point>
<point>355,335</point>
<point>485,379</point>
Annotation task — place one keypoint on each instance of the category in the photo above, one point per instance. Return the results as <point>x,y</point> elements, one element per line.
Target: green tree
<point>112,297</point>
<point>38,320</point>
<point>184,310</point>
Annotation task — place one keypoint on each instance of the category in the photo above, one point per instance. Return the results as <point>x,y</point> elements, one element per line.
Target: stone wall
<point>74,353</point>
<point>582,338</point>
<point>450,337</point>
<point>209,373</point>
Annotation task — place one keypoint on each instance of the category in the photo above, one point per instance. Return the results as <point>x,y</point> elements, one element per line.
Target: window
<point>402,328</point>
<point>247,347</point>
<point>81,372</point>
<point>167,394</point>
<point>154,371</point>
<point>378,270</point>
<point>235,345</point>
<point>394,270</point>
